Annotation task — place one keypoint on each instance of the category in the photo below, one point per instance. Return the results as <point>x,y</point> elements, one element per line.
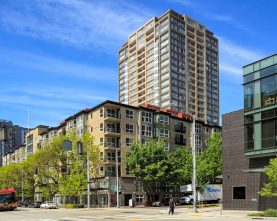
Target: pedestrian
<point>171,206</point>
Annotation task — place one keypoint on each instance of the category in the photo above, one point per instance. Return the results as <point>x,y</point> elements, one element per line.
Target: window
<point>198,128</point>
<point>239,192</point>
<point>268,90</point>
<point>111,113</point>
<point>101,141</point>
<point>101,155</point>
<point>268,134</point>
<point>164,119</point>
<point>101,112</point>
<point>139,198</point>
<point>129,142</point>
<point>198,140</point>
<point>248,96</point>
<point>146,117</point>
<point>129,114</point>
<point>111,171</point>
<point>164,132</point>
<point>111,156</point>
<point>146,131</point>
<point>101,170</point>
<point>129,128</point>
<point>101,127</point>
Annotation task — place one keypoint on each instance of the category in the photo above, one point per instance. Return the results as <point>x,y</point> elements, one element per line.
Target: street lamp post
<point>194,182</point>
<point>117,179</point>
<point>88,178</point>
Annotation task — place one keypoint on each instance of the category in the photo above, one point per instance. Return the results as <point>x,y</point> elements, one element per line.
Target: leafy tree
<point>209,164</point>
<point>150,163</point>
<point>182,166</point>
<point>270,188</point>
<point>74,183</point>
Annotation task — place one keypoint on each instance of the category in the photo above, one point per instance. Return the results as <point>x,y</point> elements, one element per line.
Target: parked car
<point>162,202</point>
<point>35,205</point>
<point>48,205</point>
<point>22,204</point>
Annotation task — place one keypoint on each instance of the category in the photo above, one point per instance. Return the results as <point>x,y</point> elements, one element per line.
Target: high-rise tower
<point>171,62</point>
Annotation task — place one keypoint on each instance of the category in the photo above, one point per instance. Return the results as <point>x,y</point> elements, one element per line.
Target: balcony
<point>112,116</point>
<point>111,160</point>
<point>112,131</point>
<point>111,145</point>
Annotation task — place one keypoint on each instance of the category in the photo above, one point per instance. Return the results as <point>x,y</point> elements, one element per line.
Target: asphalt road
<point>122,214</point>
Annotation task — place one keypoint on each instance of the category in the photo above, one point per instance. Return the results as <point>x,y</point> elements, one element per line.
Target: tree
<point>182,166</point>
<point>150,163</point>
<point>270,188</point>
<point>209,164</point>
<point>75,182</point>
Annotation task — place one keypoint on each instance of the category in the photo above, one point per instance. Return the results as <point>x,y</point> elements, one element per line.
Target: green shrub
<point>271,213</point>
<point>267,213</point>
<point>69,206</point>
<point>256,214</point>
<point>74,206</point>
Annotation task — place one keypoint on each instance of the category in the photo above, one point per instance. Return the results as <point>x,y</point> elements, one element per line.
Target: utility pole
<point>117,179</point>
<point>88,178</point>
<point>194,182</point>
<point>22,186</point>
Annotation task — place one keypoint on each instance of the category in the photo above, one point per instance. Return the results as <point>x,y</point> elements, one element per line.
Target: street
<point>128,214</point>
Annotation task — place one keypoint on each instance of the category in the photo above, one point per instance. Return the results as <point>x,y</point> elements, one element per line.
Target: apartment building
<point>33,139</point>
<point>171,62</point>
<point>115,126</point>
<point>249,139</point>
<point>11,137</point>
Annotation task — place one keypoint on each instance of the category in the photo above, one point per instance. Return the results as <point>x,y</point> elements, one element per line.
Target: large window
<point>239,192</point>
<point>268,90</point>
<point>249,96</point>
<point>268,134</point>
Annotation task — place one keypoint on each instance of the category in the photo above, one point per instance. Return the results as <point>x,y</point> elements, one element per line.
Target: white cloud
<point>86,24</point>
<point>237,51</point>
<point>229,69</point>
<point>233,56</point>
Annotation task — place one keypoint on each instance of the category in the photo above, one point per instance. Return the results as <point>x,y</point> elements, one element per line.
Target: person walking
<point>171,206</point>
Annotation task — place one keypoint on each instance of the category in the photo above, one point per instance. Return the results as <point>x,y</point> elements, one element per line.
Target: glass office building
<point>260,107</point>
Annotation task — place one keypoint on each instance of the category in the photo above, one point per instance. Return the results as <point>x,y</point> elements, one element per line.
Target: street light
<point>117,179</point>
<point>194,182</point>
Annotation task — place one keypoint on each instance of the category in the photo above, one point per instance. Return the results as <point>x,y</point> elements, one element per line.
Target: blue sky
<point>60,56</point>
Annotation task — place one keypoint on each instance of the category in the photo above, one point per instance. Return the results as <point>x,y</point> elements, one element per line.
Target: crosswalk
<point>123,217</point>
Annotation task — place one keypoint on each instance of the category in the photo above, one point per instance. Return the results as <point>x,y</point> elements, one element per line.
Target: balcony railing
<point>113,115</point>
<point>112,144</point>
<point>112,130</point>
